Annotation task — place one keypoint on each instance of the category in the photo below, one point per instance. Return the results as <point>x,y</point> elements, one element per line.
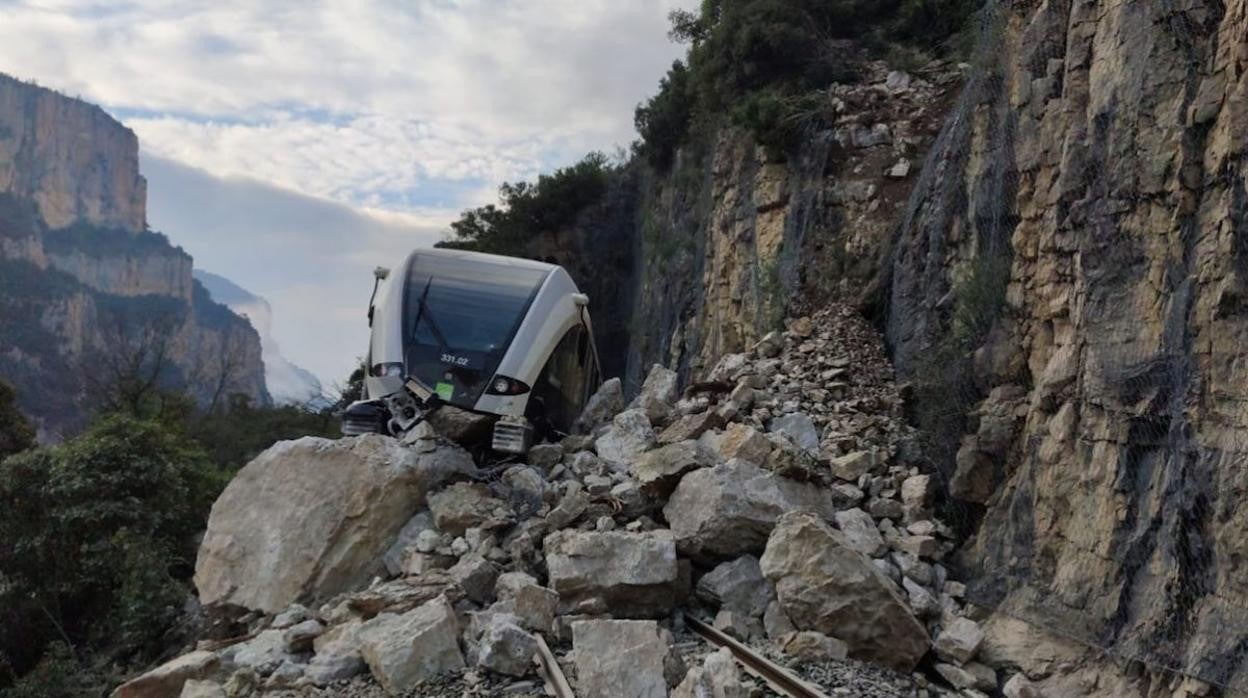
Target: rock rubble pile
<point>774,499</point>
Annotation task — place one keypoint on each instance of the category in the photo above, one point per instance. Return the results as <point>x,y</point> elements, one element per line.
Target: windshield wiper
<point>424,313</point>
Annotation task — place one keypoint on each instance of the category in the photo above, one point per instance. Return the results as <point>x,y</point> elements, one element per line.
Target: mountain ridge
<point>287,382</point>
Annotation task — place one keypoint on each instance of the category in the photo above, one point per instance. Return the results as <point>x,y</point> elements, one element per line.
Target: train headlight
<point>502,385</point>
<point>387,370</point>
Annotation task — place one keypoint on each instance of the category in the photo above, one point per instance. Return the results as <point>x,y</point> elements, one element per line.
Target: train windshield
<point>459,318</point>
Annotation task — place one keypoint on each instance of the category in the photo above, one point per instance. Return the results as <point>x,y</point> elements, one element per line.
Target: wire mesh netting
<point>1088,423</point>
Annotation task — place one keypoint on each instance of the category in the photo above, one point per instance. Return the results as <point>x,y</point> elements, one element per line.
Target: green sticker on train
<point>445,391</point>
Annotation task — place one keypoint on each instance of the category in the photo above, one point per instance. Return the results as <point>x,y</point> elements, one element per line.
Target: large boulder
<point>657,395</point>
<point>466,505</point>
<point>628,574</point>
<point>861,532</point>
<point>604,404</point>
<point>739,441</point>
<point>799,428</point>
<point>619,659</point>
<point>629,436</point>
<point>167,680</point>
<point>461,426</point>
<point>311,518</point>
<point>729,510</point>
<point>659,470</point>
<point>505,648</point>
<point>691,426</point>
<point>737,586</point>
<point>959,641</point>
<point>824,584</point>
<point>403,651</point>
<point>718,677</point>
<point>337,655</point>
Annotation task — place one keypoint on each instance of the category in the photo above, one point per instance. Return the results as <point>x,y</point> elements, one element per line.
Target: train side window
<point>560,387</point>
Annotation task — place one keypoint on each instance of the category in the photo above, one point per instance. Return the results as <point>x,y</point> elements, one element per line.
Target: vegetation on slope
<point>98,534</point>
<point>527,209</point>
<point>761,62</point>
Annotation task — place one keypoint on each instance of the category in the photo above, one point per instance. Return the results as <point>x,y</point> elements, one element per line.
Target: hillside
<point>929,326</point>
<point>1049,235</point>
<point>89,295</point>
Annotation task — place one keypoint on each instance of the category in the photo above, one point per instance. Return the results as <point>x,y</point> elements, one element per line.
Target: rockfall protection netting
<point>1098,490</point>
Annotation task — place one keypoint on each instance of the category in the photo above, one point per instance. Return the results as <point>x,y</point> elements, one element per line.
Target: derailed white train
<point>500,336</point>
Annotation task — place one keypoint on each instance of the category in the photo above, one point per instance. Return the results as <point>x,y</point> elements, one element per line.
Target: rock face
<point>75,161</point>
<point>310,518</point>
<point>87,272</point>
<point>823,584</point>
<point>1097,169</point>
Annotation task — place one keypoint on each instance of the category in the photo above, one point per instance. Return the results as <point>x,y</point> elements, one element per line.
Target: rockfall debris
<point>781,506</point>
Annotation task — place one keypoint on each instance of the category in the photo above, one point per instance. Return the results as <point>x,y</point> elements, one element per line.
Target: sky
<point>293,146</point>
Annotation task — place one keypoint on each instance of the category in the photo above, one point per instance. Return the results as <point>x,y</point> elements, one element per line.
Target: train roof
<point>484,258</point>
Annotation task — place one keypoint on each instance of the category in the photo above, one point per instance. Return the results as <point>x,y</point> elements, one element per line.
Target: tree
<point>132,368</point>
<point>16,434</point>
<point>94,534</point>
<point>529,209</point>
<point>353,390</point>
<point>663,120</point>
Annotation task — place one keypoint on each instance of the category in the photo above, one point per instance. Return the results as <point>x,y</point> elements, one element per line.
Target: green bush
<point>58,674</point>
<point>771,117</point>
<point>93,533</point>
<point>232,437</point>
<point>528,209</point>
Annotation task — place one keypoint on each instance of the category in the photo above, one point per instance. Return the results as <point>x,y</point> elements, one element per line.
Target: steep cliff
<point>1062,285</point>
<point>84,287</point>
<point>69,157</point>
<point>734,236</point>
<point>1077,244</point>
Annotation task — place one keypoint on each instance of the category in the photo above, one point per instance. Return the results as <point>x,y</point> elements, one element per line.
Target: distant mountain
<point>287,383</point>
<point>90,298</point>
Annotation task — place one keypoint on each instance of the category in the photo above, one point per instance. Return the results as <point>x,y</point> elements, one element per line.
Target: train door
<point>564,384</point>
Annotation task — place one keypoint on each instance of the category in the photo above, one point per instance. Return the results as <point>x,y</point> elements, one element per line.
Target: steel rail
<point>549,668</point>
<point>780,680</point>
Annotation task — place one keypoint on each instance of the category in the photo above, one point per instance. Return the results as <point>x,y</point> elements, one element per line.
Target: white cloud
<point>254,117</point>
<point>312,259</point>
<point>367,102</point>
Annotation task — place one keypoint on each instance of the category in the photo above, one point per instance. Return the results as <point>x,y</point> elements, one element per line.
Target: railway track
<point>779,679</point>
<point>550,671</point>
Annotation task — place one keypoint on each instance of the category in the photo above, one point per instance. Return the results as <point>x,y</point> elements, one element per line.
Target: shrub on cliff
<point>753,59</point>
<point>94,535</point>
